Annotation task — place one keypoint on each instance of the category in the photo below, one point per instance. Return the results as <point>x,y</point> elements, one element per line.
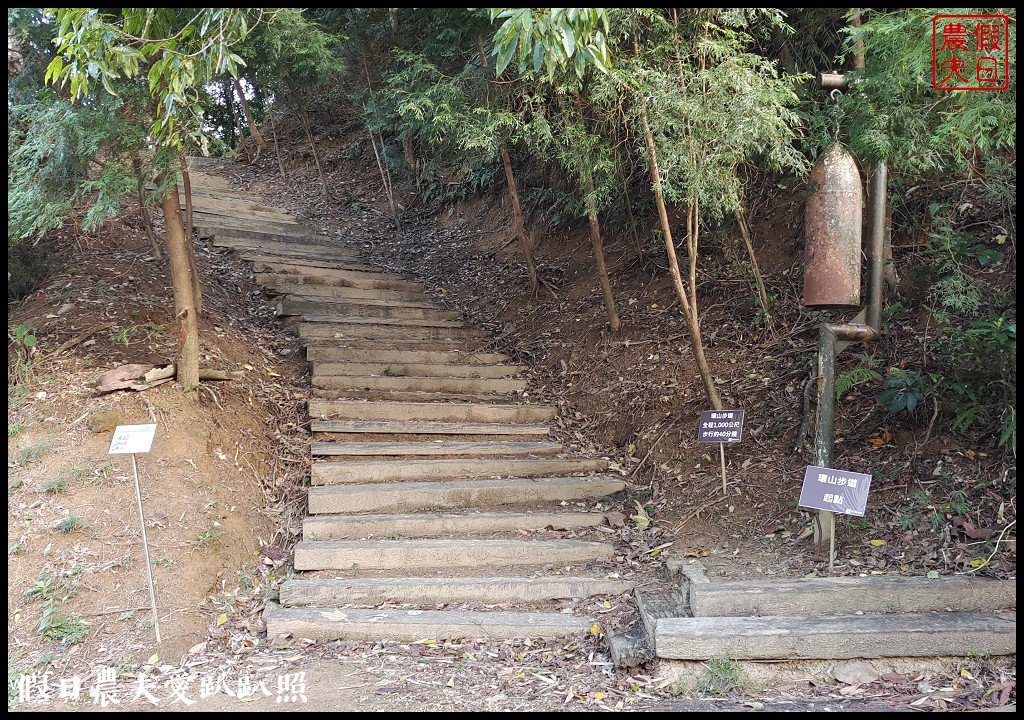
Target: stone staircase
<point>438,506</point>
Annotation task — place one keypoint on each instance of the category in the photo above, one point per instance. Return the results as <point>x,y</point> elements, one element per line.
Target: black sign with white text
<point>720,426</point>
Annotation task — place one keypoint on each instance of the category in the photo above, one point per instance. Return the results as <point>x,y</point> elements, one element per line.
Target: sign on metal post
<point>129,440</point>
<point>837,491</point>
<point>721,426</point>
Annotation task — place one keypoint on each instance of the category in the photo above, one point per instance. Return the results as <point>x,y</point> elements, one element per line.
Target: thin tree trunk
<point>312,147</point>
<point>187,361</point>
<point>762,294</point>
<point>254,132</point>
<point>517,212</point>
<point>689,310</point>
<point>602,270</point>
<point>232,133</point>
<point>277,148</point>
<point>193,266</point>
<point>385,178</point>
<point>147,220</point>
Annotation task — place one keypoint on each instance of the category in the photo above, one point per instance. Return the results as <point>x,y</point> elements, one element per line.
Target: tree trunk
<point>253,130</point>
<point>231,136</point>
<point>689,310</point>
<point>602,270</point>
<point>147,221</point>
<point>277,148</point>
<point>385,177</point>
<point>762,294</point>
<point>184,303</point>
<point>197,288</point>
<point>517,212</point>
<point>312,147</point>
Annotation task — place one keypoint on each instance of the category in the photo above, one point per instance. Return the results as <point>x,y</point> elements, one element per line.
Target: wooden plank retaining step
<point>410,626</point>
<point>341,279</point>
<point>422,525</point>
<point>835,637</point>
<point>402,427</point>
<point>439,412</point>
<point>419,370</point>
<point>418,554</point>
<point>376,330</point>
<point>456,356</point>
<point>476,449</point>
<point>432,591</point>
<point>489,492</point>
<point>292,305</point>
<point>383,471</point>
<point>479,386</point>
<point>849,595</point>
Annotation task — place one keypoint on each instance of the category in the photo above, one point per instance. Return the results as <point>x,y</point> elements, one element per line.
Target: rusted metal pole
<point>824,437</point>
<point>876,245</point>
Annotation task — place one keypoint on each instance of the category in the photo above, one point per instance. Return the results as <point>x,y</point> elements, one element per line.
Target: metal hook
<point>832,95</point>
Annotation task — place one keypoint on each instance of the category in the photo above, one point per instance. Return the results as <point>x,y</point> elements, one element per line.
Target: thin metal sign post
<point>129,440</point>
<point>721,426</point>
<point>835,491</point>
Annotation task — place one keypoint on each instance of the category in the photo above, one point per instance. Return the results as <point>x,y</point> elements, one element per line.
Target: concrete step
<point>390,471</point>
<point>406,449</point>
<point>420,322</point>
<point>419,554</point>
<point>355,527</point>
<point>454,356</point>
<point>435,412</point>
<point>432,591</point>
<point>472,386</point>
<point>323,624</point>
<point>849,595</point>
<point>265,260</point>
<point>339,279</point>
<point>292,305</point>
<point>425,428</point>
<point>416,370</point>
<point>379,331</point>
<point>835,637</point>
<point>463,494</point>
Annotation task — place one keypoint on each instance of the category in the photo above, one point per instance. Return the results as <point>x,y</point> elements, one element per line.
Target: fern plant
<point>863,374</point>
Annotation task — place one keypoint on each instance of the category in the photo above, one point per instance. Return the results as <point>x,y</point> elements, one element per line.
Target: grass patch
<point>56,485</point>
<point>209,536</point>
<point>58,627</point>
<point>13,429</point>
<point>32,452</point>
<point>723,676</point>
<point>69,524</point>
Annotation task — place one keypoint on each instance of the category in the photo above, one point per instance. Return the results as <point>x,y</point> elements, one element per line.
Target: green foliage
<point>894,113</point>
<point>723,676</point>
<point>863,374</point>
<point>176,51</point>
<point>552,38</point>
<point>70,523</point>
<point>903,390</point>
<point>715,105</point>
<point>58,627</point>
